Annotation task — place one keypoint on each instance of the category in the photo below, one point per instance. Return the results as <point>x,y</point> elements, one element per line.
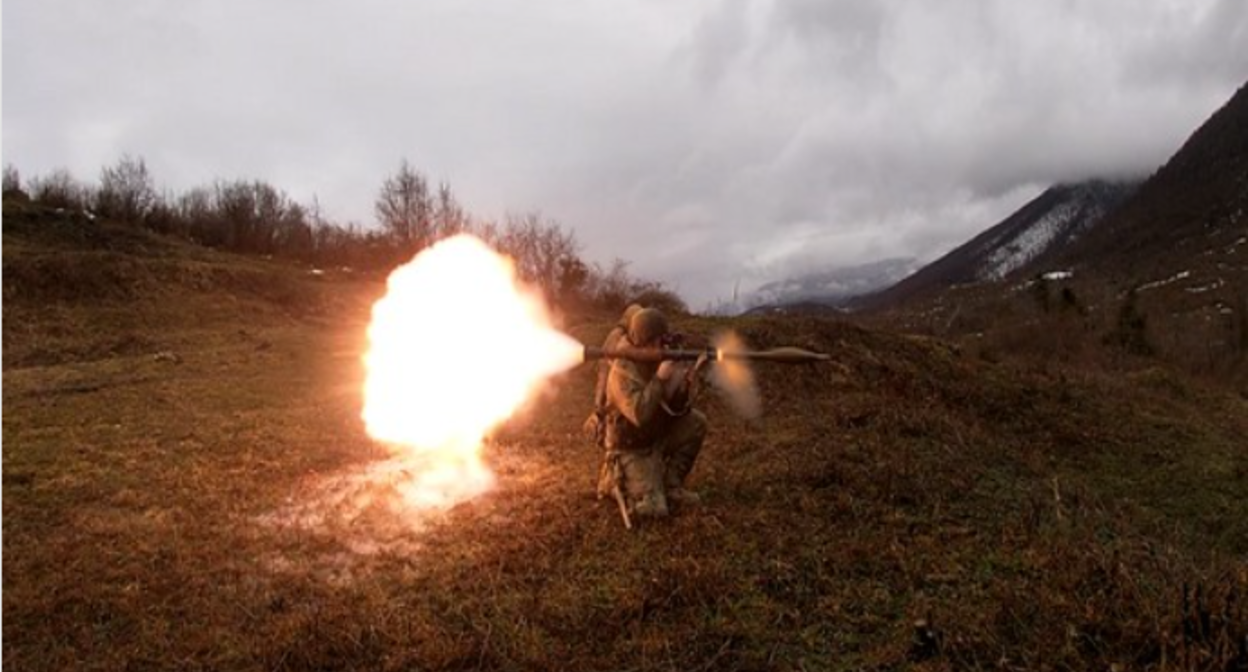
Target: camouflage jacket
<point>635,395</point>
<point>601,403</point>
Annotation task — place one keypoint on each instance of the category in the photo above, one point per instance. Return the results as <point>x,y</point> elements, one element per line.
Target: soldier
<point>653,435</point>
<point>594,424</point>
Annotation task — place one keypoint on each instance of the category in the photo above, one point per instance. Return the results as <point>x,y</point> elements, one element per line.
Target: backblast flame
<point>456,346</point>
<point>734,377</point>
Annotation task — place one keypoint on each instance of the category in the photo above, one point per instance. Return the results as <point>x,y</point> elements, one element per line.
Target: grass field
<point>176,423</point>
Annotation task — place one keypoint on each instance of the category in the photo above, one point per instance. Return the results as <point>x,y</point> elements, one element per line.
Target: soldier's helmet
<point>647,326</point>
<point>629,312</point>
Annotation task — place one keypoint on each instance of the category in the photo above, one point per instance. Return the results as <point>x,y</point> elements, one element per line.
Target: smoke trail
<point>734,378</point>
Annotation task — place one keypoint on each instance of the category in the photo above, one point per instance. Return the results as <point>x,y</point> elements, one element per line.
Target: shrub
<point>654,295</point>
<point>1130,331</point>
<point>12,182</point>
<point>59,189</point>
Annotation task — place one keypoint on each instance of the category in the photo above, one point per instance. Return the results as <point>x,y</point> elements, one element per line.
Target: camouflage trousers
<point>646,474</point>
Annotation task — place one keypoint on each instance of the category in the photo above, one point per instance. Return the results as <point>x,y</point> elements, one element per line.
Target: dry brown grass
<point>1031,517</point>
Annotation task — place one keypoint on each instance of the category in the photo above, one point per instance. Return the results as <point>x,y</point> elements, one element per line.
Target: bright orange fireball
<point>456,345</point>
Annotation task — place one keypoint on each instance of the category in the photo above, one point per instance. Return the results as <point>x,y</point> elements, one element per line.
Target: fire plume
<point>456,346</point>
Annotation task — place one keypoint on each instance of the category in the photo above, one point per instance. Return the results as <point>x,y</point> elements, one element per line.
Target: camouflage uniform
<point>609,343</point>
<point>655,445</point>
<point>595,424</point>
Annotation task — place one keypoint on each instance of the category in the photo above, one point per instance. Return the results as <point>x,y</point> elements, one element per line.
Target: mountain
<point>1162,277</point>
<point>828,290</point>
<point>1191,209</point>
<point>1050,222</point>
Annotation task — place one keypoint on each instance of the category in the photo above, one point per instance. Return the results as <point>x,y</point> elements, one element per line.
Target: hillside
<point>1193,206</point>
<point>1162,278</point>
<point>78,290</point>
<point>907,505</point>
<point>1025,240</point>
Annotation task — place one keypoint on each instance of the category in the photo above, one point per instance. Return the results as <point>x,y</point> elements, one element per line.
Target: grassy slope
<point>156,411</point>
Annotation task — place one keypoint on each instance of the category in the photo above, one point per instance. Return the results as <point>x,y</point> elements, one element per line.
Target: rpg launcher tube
<point>786,355</point>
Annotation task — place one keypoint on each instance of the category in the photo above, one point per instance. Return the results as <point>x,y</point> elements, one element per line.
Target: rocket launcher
<point>784,355</point>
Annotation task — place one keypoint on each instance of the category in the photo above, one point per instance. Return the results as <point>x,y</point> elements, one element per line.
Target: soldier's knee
<point>698,424</point>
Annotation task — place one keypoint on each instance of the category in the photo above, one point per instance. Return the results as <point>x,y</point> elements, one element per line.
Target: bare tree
<point>556,249</point>
<point>12,180</point>
<point>256,217</point>
<point>292,234</point>
<point>235,208</point>
<point>126,191</point>
<point>199,217</point>
<point>449,216</point>
<point>405,209</point>
<point>573,276</point>
<point>541,250</point>
<point>163,216</point>
<point>611,287</point>
<point>333,244</point>
<point>489,232</point>
<point>59,189</point>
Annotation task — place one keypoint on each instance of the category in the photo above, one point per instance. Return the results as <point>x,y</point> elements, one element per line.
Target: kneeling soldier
<point>653,435</point>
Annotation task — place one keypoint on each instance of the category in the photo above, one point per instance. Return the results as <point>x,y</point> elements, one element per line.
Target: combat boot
<point>683,497</point>
<point>651,506</point>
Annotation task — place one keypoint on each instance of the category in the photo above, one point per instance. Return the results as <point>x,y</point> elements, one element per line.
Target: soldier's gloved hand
<point>697,366</point>
<point>590,426</point>
<point>666,370</point>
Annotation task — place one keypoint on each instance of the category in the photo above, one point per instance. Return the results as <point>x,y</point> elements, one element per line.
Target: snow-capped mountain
<point>1162,274</point>
<point>1050,222</point>
<point>830,289</point>
<point>1075,212</point>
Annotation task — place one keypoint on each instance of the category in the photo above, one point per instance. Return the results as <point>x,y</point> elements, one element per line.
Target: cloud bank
<point>713,144</point>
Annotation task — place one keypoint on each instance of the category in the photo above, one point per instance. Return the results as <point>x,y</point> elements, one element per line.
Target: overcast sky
<point>709,142</point>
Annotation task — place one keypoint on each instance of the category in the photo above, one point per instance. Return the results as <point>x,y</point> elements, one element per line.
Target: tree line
<point>254,217</point>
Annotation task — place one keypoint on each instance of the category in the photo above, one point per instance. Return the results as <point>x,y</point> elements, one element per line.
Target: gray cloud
<point>712,143</point>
